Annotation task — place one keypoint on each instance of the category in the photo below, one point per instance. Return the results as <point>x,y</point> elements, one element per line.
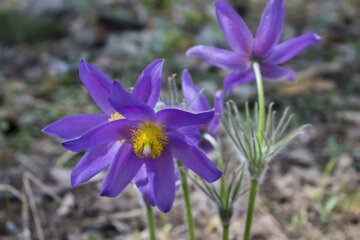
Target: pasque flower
<point>245,48</point>
<point>142,144</point>
<point>99,85</point>
<point>196,101</point>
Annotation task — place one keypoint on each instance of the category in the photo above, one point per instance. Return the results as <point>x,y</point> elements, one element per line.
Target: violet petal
<point>176,118</point>
<point>121,171</point>
<point>105,133</point>
<point>148,85</point>
<point>93,162</point>
<point>164,181</point>
<point>128,105</point>
<point>219,57</point>
<point>195,99</point>
<point>192,157</point>
<point>290,48</point>
<point>75,125</point>
<point>238,78</point>
<point>142,180</point>
<point>97,84</point>
<point>236,32</point>
<point>192,133</point>
<point>215,123</point>
<point>273,72</point>
<point>270,28</point>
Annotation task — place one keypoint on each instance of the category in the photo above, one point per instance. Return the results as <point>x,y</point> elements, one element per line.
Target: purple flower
<point>197,102</point>
<point>140,144</point>
<point>99,87</point>
<point>264,48</point>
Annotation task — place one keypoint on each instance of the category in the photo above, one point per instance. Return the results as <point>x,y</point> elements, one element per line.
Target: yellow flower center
<point>115,116</point>
<point>149,140</point>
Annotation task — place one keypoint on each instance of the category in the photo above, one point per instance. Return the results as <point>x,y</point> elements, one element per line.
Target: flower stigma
<point>149,140</point>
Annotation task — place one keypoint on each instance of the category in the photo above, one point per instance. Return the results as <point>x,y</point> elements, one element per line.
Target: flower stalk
<point>260,135</point>
<point>225,216</point>
<point>221,165</point>
<point>229,190</point>
<point>226,231</point>
<point>251,208</point>
<point>260,89</point>
<point>187,204</point>
<point>150,221</point>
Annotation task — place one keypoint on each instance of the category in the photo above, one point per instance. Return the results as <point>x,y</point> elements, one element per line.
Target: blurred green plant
<point>328,207</point>
<point>350,202</point>
<point>97,236</point>
<point>17,27</point>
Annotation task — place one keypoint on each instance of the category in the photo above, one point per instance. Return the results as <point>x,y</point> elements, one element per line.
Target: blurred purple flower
<point>264,48</point>
<point>135,142</point>
<point>197,102</point>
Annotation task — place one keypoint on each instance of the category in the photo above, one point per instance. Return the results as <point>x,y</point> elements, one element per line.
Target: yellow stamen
<point>149,140</point>
<point>115,116</point>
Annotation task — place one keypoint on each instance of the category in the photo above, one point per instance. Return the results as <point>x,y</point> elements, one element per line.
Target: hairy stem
<point>251,207</point>
<point>225,216</point>
<point>225,235</point>
<point>150,221</point>
<point>188,212</point>
<point>221,164</point>
<point>260,89</point>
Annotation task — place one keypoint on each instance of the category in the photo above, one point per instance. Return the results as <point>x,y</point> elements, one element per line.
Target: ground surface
<point>311,190</point>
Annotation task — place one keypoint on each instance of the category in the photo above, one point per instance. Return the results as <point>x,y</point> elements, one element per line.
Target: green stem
<point>221,164</point>
<point>226,231</point>
<point>251,207</point>
<point>260,89</point>
<point>186,192</point>
<point>150,221</point>
<point>225,216</point>
<point>223,192</point>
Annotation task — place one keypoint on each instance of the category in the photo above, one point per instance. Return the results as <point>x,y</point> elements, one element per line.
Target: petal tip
<point>228,88</point>
<point>115,84</point>
<point>195,51</point>
<point>186,77</point>
<point>185,71</point>
<point>49,130</point>
<point>158,63</point>
<point>217,174</point>
<point>317,37</point>
<point>219,5</point>
<point>165,208</point>
<point>190,51</point>
<point>71,146</point>
<point>74,181</point>
<point>160,60</point>
<point>83,65</point>
<point>107,193</point>
<point>292,77</point>
<point>45,130</point>
<point>66,145</point>
<point>220,93</point>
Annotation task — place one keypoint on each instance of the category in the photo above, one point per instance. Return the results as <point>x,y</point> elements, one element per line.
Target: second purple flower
<point>245,48</point>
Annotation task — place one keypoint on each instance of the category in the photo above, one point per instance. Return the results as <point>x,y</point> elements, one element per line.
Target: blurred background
<point>311,190</point>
